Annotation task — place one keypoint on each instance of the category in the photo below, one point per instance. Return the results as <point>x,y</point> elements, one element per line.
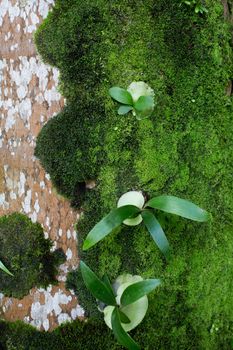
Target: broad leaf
<point>124,319</point>
<point>144,103</point>
<point>122,337</point>
<point>3,267</point>
<point>124,109</point>
<point>99,290</point>
<point>178,206</point>
<point>108,224</point>
<point>144,107</point>
<point>121,95</point>
<point>156,231</point>
<point>138,290</point>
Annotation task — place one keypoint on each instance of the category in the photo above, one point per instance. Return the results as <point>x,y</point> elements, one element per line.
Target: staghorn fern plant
<point>124,303</point>
<point>138,98</point>
<point>132,210</point>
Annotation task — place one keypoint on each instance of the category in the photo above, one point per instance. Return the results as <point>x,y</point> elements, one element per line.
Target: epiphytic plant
<point>138,98</point>
<point>132,210</point>
<point>124,303</point>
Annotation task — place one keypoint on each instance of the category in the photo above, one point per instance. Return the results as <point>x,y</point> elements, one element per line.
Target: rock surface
<point>28,99</point>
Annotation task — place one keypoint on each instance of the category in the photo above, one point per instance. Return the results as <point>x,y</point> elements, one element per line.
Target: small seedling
<point>124,303</point>
<point>138,98</point>
<point>132,210</point>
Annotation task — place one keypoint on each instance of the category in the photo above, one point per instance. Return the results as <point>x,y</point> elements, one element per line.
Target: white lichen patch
<point>53,305</point>
<point>3,203</point>
<point>77,312</point>
<point>68,234</point>
<point>69,254</point>
<point>26,204</point>
<point>21,74</point>
<point>33,217</point>
<point>21,184</point>
<point>36,206</point>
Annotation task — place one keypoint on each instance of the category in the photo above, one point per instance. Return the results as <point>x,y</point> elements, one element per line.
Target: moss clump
<point>26,253</point>
<point>70,336</point>
<point>184,149</point>
<point>70,154</point>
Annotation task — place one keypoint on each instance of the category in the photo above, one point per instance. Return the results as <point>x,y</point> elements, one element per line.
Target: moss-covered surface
<point>184,149</point>
<point>71,336</point>
<point>26,253</point>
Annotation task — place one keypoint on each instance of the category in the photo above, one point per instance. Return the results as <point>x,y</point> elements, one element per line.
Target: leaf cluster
<point>142,108</point>
<point>103,292</point>
<point>168,204</point>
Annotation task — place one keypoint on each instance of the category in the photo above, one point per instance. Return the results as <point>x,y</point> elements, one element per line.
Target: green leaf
<point>144,103</point>
<point>138,290</point>
<point>3,267</point>
<point>121,95</point>
<point>99,290</point>
<point>107,283</point>
<point>124,109</point>
<point>122,337</point>
<point>144,107</point>
<point>156,231</point>
<point>108,224</point>
<point>178,206</point>
<point>124,319</point>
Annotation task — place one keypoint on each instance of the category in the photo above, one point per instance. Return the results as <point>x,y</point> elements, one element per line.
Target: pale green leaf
<point>124,109</point>
<point>178,206</point>
<point>121,95</point>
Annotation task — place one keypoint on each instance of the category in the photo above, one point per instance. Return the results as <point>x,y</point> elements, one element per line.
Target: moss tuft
<point>26,253</point>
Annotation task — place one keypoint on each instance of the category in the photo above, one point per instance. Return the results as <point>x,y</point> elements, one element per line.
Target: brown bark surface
<point>28,98</point>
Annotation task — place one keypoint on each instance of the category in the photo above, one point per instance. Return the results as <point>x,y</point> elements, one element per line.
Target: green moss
<point>70,336</point>
<point>70,155</point>
<point>184,149</point>
<point>26,253</point>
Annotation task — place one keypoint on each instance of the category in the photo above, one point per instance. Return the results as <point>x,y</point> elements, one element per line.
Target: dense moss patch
<point>184,149</point>
<point>26,253</point>
<point>71,336</point>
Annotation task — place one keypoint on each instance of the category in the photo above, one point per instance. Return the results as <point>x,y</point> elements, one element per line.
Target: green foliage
<point>138,290</point>
<point>108,224</point>
<point>27,253</point>
<point>98,288</point>
<point>186,149</point>
<point>130,208</point>
<point>197,5</point>
<point>120,299</point>
<point>122,337</point>
<point>139,98</point>
<point>121,95</point>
